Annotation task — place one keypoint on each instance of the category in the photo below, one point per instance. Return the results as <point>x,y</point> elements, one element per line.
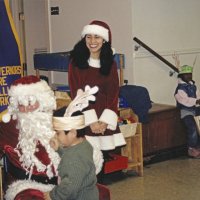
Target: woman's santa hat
<point>99,28</point>
<point>27,91</point>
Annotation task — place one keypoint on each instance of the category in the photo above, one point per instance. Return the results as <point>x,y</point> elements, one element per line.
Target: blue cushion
<point>60,61</point>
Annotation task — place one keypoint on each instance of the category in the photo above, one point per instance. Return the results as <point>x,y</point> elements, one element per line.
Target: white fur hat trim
<point>28,89</point>
<point>25,94</point>
<point>97,30</point>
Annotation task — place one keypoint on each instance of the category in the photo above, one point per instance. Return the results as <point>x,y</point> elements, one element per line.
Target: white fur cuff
<point>90,117</point>
<point>109,117</point>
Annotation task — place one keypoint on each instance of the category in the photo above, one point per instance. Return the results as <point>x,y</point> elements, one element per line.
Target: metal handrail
<point>155,54</point>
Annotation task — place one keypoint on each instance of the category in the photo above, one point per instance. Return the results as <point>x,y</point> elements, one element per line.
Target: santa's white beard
<point>33,128</point>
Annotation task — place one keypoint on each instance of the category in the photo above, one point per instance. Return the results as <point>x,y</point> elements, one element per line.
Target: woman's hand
<point>102,127</point>
<point>95,127</point>
<point>46,196</point>
<point>98,127</point>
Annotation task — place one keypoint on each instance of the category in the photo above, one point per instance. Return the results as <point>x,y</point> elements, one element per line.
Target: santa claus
<point>32,103</point>
<point>32,163</point>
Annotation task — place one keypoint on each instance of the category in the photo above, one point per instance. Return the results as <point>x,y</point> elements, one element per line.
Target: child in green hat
<point>188,97</point>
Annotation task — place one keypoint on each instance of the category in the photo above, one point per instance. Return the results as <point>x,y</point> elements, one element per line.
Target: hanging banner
<point>10,54</point>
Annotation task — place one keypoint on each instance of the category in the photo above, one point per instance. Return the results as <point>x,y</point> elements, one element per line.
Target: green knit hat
<point>185,69</point>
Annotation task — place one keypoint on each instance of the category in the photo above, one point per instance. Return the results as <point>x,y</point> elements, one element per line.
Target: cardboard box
<point>126,113</point>
<point>62,99</point>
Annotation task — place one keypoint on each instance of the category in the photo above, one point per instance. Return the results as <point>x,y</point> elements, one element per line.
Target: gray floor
<point>177,179</point>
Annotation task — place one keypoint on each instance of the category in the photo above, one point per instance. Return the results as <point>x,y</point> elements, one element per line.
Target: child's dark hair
<point>60,113</point>
<point>180,76</point>
<point>80,55</point>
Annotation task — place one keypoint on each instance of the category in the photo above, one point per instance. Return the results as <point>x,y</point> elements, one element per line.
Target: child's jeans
<point>192,133</point>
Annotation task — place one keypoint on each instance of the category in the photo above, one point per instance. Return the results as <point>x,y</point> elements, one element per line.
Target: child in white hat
<point>92,63</point>
<point>77,171</point>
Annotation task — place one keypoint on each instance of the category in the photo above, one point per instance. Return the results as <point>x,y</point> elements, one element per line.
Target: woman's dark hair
<point>80,55</point>
<point>60,113</point>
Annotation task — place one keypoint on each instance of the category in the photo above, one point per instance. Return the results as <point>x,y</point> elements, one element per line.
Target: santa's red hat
<point>99,28</point>
<point>27,90</point>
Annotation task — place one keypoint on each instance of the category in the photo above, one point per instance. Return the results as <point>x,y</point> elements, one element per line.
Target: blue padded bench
<point>60,62</point>
<point>52,61</point>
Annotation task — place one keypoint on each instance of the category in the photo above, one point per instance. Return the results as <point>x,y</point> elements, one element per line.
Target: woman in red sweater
<point>92,63</point>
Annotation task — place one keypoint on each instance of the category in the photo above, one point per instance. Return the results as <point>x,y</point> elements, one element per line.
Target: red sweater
<point>106,97</point>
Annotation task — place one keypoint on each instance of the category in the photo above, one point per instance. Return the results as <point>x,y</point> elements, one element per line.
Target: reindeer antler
<point>195,59</point>
<point>81,100</point>
<point>176,59</point>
